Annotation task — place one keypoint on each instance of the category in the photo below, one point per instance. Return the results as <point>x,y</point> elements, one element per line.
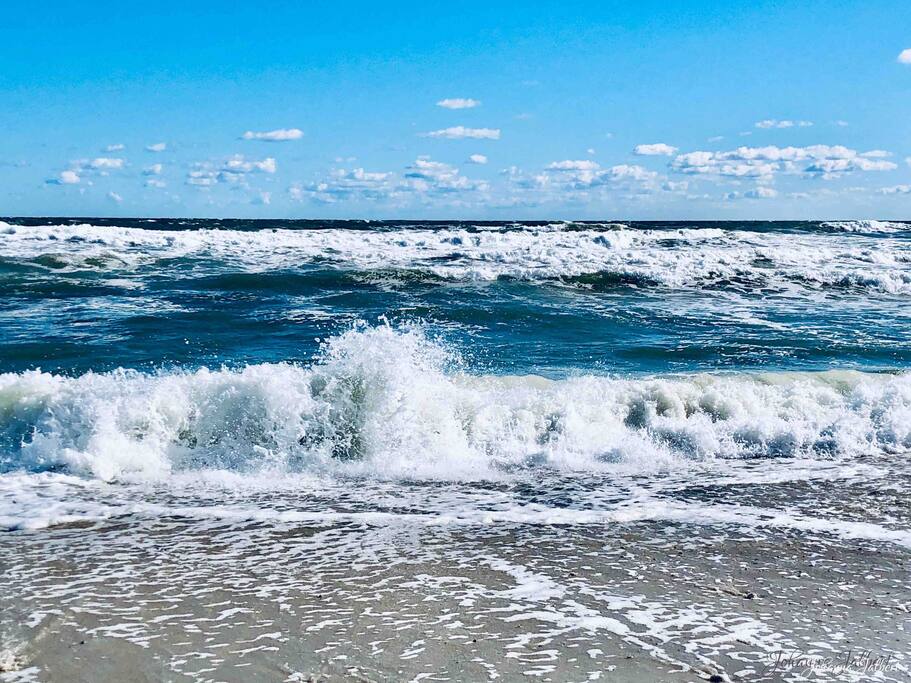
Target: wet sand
<point>177,599</point>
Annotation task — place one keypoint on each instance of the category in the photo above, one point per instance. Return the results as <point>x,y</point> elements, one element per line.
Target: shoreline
<point>175,598</point>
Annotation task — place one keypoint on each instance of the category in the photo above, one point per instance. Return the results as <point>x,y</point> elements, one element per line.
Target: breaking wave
<point>661,256</point>
<point>868,226</point>
<point>392,403</point>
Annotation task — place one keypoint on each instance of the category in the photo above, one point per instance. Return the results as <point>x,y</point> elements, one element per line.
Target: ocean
<point>453,450</point>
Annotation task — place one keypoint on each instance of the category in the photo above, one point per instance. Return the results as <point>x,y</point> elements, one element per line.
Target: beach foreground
<point>681,581</point>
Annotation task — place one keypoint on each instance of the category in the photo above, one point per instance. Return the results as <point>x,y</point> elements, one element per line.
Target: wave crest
<point>387,402</point>
<point>866,226</point>
<point>668,257</point>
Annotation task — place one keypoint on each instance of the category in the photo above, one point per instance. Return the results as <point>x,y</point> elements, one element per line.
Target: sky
<point>473,110</point>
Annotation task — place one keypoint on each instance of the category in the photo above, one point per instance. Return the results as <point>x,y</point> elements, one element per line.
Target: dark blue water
<point>546,298</point>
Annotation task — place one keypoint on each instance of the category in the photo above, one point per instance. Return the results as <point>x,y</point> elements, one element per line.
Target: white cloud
<point>233,171</point>
<point>827,161</point>
<point>896,189</point>
<point>591,151</point>
<point>458,103</point>
<point>786,123</point>
<point>239,164</point>
<point>477,159</point>
<point>841,123</point>
<point>461,132</point>
<point>877,154</point>
<point>716,138</point>
<point>425,175</point>
<point>830,168</point>
<point>97,166</point>
<point>114,197</point>
<point>631,171</point>
<point>157,147</point>
<point>155,182</point>
<point>719,163</point>
<point>656,149</point>
<point>264,198</point>
<point>904,57</point>
<point>105,163</point>
<point>100,166</point>
<point>114,148</point>
<point>582,174</point>
<point>761,192</point>
<point>154,169</point>
<point>522,180</point>
<point>344,184</point>
<point>573,165</point>
<point>202,178</point>
<point>580,180</point>
<point>425,179</point>
<point>280,135</point>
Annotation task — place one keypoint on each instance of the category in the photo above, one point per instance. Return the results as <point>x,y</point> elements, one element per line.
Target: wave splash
<point>392,403</point>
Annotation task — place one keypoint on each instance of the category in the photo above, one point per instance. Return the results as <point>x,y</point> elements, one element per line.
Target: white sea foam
<point>671,257</point>
<point>38,501</point>
<point>390,403</point>
<point>868,226</point>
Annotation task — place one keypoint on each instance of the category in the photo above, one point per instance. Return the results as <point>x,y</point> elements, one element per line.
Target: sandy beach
<point>399,595</point>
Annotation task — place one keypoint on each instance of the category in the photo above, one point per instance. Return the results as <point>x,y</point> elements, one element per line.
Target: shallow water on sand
<point>660,577</point>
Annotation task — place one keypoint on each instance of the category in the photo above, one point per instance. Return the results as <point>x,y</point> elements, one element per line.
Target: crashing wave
<point>666,257</point>
<point>866,226</point>
<point>391,403</point>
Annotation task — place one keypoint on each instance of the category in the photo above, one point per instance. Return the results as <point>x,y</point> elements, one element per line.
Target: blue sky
<point>471,110</point>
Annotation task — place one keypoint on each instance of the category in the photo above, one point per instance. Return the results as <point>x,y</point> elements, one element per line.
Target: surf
<point>872,257</point>
<point>391,402</point>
